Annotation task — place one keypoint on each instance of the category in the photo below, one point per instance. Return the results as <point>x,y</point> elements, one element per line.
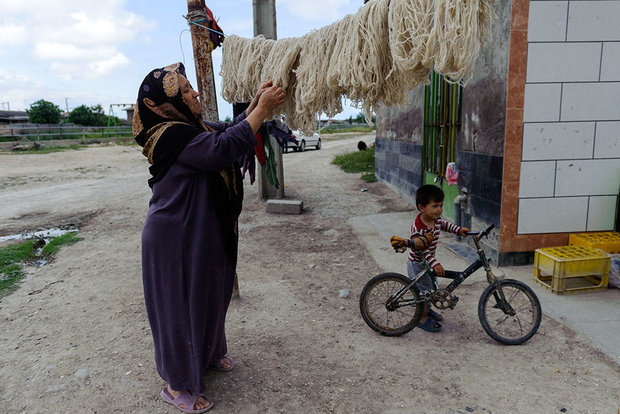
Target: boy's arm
<point>419,242</point>
<point>445,225</point>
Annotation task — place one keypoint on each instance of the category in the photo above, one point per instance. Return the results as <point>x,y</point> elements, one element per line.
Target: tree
<point>44,112</point>
<point>360,118</point>
<point>88,116</point>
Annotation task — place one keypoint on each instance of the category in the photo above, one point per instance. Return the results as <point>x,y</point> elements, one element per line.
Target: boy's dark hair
<point>428,193</point>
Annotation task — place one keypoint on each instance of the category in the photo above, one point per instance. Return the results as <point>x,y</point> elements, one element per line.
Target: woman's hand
<point>256,98</point>
<point>272,97</point>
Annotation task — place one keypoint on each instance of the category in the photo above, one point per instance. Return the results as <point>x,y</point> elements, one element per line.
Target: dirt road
<point>75,337</point>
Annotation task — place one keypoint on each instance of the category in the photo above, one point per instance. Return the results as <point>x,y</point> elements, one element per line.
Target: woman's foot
<point>201,404</point>
<point>223,364</point>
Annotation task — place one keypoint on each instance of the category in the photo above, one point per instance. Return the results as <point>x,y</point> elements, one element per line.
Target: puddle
<point>42,234</point>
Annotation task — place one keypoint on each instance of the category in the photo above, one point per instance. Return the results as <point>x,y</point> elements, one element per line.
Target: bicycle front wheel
<point>515,325</point>
<point>388,306</point>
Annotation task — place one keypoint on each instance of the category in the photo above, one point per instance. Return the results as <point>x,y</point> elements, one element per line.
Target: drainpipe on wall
<point>460,202</point>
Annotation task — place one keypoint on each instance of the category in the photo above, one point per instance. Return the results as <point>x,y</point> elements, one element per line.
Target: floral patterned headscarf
<point>163,124</point>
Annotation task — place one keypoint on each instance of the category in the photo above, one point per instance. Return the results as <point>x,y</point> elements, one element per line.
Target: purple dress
<point>187,276</point>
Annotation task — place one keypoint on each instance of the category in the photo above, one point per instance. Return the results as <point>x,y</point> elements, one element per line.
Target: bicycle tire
<point>504,328</point>
<point>374,309</point>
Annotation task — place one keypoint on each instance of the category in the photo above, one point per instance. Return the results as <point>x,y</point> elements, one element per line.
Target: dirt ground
<point>75,337</point>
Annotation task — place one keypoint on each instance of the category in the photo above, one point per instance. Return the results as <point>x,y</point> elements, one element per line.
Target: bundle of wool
<point>410,23</point>
<point>459,31</point>
<point>372,57</point>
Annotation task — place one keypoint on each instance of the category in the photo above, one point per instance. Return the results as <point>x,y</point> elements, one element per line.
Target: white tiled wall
<point>570,170</point>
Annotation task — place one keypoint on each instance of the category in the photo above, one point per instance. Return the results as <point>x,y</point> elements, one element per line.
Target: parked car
<point>303,142</point>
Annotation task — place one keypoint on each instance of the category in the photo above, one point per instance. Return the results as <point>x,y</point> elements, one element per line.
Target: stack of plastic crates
<point>571,269</point>
<point>607,241</point>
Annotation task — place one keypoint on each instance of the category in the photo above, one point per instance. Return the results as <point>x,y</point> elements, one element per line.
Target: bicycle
<point>508,309</point>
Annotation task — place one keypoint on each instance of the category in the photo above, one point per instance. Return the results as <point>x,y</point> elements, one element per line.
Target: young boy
<point>429,200</point>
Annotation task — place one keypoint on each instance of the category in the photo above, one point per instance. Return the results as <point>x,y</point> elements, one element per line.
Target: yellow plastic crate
<point>608,241</point>
<point>571,269</point>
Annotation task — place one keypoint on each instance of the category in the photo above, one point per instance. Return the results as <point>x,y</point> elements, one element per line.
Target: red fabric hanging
<point>260,149</point>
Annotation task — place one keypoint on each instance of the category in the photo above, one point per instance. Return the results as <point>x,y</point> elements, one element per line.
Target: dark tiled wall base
<point>481,174</point>
<point>399,164</point>
<point>515,259</point>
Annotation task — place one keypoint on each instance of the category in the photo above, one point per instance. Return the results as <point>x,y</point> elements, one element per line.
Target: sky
<point>87,52</point>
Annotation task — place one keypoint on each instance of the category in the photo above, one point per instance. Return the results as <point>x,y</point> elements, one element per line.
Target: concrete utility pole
<point>265,24</point>
<point>203,60</point>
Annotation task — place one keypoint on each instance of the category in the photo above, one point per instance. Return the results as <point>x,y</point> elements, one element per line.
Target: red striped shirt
<point>418,228</point>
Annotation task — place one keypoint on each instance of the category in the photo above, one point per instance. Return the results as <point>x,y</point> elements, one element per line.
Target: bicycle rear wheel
<point>383,313</point>
<point>501,325</point>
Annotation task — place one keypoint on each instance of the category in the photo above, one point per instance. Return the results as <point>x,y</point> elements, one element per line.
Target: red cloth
<point>260,149</point>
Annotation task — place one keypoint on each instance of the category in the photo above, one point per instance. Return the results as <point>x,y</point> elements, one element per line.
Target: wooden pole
<point>204,75</point>
<point>203,62</point>
<point>265,23</point>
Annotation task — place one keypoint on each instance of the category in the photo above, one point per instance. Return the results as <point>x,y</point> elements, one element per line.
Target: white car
<point>303,142</point>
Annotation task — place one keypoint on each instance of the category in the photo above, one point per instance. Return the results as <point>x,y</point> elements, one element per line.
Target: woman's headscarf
<point>163,124</point>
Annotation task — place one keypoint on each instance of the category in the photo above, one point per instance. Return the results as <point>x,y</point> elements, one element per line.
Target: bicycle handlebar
<point>481,234</point>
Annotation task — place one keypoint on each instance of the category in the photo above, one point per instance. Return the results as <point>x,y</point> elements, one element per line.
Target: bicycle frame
<point>457,278</point>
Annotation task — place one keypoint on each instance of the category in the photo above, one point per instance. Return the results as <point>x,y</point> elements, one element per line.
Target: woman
<point>189,240</point>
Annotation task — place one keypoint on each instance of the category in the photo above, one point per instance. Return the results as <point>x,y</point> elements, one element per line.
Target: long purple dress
<point>187,276</point>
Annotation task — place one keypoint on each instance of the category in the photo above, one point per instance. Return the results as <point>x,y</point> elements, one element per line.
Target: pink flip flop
<point>187,399</point>
<point>220,365</point>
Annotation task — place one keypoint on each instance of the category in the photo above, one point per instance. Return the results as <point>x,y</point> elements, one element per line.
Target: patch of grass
<point>52,247</point>
<point>356,162</point>
<point>13,257</point>
<point>369,177</point>
<point>11,271</point>
<point>328,130</point>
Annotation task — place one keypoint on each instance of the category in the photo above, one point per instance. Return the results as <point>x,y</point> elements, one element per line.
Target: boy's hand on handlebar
<point>439,270</point>
<point>463,232</point>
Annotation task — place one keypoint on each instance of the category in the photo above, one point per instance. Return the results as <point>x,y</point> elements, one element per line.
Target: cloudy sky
<point>87,52</point>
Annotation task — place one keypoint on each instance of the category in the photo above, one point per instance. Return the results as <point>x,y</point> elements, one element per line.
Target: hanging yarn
<point>372,57</point>
<point>410,23</point>
<point>460,29</point>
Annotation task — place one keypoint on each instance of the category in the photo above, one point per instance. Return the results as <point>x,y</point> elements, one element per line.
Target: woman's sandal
<point>430,325</point>
<point>223,364</point>
<point>187,399</point>
<point>434,314</point>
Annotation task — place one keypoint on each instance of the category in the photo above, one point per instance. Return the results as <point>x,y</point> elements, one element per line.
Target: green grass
<point>11,271</point>
<point>329,130</point>
<point>358,162</point>
<point>15,256</point>
<point>52,247</point>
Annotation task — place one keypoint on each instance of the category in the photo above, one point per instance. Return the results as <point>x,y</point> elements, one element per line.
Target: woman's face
<point>190,96</point>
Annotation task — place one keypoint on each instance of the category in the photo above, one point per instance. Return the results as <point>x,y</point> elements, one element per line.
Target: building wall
<point>561,169</point>
<point>570,170</point>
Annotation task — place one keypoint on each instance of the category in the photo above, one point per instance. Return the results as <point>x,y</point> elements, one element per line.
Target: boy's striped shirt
<point>418,228</point>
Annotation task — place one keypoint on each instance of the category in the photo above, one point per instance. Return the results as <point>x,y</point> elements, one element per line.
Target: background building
<point>535,133</point>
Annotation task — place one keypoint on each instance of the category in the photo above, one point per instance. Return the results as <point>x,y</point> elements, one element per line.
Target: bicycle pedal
<point>455,299</point>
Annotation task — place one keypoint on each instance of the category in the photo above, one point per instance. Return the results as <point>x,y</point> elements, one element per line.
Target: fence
<point>37,132</point>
